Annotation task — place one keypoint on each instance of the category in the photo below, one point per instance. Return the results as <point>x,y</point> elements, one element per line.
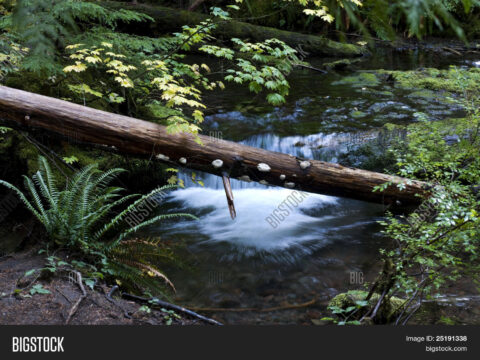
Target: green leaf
<point>30,272</point>
<point>38,289</point>
<point>275,99</point>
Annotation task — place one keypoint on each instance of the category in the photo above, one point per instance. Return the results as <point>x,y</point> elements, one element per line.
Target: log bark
<point>215,156</point>
<point>169,20</point>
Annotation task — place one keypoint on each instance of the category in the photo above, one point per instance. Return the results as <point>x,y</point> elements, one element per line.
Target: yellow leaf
<point>78,67</point>
<point>124,81</point>
<point>92,59</point>
<point>74,46</point>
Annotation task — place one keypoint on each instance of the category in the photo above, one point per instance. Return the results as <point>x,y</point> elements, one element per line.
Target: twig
<point>311,68</point>
<point>65,296</point>
<point>283,307</point>
<point>412,313</point>
<point>453,51</point>
<point>379,302</point>
<point>83,296</point>
<point>36,144</point>
<point>167,305</point>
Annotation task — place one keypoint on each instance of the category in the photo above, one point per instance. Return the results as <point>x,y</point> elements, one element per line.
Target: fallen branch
<point>24,110</point>
<point>174,307</point>
<point>75,306</point>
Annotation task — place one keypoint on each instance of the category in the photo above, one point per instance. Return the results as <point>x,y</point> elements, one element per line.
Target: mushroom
<point>305,164</point>
<point>263,167</point>
<point>162,157</point>
<point>217,163</point>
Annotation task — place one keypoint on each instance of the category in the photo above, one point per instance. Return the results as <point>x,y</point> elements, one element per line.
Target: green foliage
<point>270,78</point>
<point>346,314</point>
<point>87,218</point>
<point>45,25</point>
<point>416,17</point>
<point>147,72</point>
<point>438,242</point>
<point>169,316</point>
<point>11,55</point>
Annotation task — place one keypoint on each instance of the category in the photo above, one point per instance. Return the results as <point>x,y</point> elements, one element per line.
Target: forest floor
<point>53,308</point>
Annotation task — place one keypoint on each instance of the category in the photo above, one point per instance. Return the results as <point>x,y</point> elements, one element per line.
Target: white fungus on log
<point>282,177</point>
<point>290,185</point>
<point>263,182</point>
<point>245,178</point>
<point>182,160</point>
<point>263,167</point>
<point>305,164</point>
<point>162,157</point>
<point>217,163</point>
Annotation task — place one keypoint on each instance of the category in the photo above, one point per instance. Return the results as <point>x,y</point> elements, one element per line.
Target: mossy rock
<point>387,311</point>
<point>454,80</point>
<point>357,114</point>
<point>362,79</point>
<point>342,64</point>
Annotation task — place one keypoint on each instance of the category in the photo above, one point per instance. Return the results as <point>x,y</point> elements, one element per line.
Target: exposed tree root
<point>75,306</point>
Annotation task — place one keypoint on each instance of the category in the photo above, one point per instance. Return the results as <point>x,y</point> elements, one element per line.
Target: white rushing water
<point>251,228</point>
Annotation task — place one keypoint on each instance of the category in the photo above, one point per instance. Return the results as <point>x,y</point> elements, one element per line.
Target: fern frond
<point>24,200</point>
<point>116,220</point>
<point>150,222</point>
<point>36,198</point>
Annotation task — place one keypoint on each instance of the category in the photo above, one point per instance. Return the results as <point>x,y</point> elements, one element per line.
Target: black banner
<point>295,342</point>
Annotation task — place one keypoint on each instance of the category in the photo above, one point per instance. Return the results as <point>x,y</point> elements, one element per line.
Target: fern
<point>43,26</point>
<point>82,217</point>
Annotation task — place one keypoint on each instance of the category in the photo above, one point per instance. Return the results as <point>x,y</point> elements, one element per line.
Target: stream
<point>326,245</point>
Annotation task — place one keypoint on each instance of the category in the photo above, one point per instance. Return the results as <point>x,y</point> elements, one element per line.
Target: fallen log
<point>168,20</point>
<point>142,138</point>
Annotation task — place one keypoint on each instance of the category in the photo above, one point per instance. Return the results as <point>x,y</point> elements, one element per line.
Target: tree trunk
<point>168,20</point>
<point>215,156</point>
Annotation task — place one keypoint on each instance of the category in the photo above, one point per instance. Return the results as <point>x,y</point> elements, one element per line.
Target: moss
<point>384,93</point>
<point>157,113</point>
<point>358,114</point>
<point>27,153</point>
<point>451,80</point>
<point>22,155</point>
<point>340,64</point>
<point>363,79</point>
<point>387,311</point>
<point>425,94</point>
